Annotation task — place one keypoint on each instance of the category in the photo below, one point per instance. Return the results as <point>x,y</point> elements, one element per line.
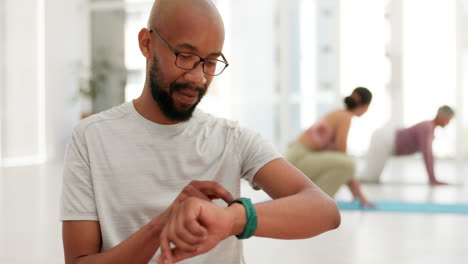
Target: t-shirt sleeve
<point>254,153</point>
<point>77,200</point>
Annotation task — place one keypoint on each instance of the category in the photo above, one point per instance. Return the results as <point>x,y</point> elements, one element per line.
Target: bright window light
<point>363,36</point>
<point>429,65</point>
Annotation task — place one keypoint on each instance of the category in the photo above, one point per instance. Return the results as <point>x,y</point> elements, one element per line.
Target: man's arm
<point>82,244</point>
<point>299,208</point>
<point>82,239</point>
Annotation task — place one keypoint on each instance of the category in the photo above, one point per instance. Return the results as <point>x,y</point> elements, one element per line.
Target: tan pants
<point>327,169</point>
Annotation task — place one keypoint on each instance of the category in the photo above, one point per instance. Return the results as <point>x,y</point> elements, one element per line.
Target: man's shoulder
<point>206,119</point>
<point>115,113</point>
<point>214,124</point>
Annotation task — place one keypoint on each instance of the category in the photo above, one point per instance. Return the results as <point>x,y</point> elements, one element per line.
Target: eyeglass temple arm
<point>163,40</point>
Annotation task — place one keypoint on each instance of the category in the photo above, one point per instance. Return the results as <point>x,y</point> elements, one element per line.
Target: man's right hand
<point>205,190</point>
<point>196,227</point>
<point>82,240</point>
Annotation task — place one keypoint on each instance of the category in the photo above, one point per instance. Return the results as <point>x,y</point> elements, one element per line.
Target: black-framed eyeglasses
<point>189,61</point>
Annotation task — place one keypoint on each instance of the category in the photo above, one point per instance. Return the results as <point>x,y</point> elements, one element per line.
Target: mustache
<point>174,87</point>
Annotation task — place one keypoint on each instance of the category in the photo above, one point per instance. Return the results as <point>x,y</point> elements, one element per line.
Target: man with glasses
<point>146,175</point>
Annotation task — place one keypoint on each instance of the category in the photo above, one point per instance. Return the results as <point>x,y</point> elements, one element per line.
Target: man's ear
<point>144,40</point>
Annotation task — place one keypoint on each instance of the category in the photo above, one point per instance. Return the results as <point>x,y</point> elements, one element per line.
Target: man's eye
<point>211,62</point>
<point>185,56</point>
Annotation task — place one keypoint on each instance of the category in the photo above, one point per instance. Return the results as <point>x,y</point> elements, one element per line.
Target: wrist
<point>251,223</point>
<point>239,218</point>
<point>156,225</point>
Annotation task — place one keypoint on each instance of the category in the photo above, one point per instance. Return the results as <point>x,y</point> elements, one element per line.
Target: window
<point>363,36</point>
<point>429,66</point>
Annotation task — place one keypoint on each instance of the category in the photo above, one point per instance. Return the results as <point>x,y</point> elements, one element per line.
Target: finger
<point>183,230</point>
<point>213,190</point>
<point>165,247</point>
<point>195,228</point>
<point>193,191</point>
<point>180,255</point>
<point>161,259</point>
<point>184,246</point>
<point>182,238</point>
<point>190,190</point>
<point>183,194</point>
<point>188,226</point>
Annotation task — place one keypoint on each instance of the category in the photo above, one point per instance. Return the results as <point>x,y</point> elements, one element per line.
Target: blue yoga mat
<point>406,207</point>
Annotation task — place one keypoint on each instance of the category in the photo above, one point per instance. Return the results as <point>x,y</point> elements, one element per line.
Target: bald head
<point>179,30</point>
<point>163,11</point>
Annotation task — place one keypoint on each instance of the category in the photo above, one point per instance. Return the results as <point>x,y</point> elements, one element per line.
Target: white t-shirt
<point>123,170</point>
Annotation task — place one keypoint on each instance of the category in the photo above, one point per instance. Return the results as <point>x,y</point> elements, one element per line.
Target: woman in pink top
<point>387,142</point>
<point>320,151</point>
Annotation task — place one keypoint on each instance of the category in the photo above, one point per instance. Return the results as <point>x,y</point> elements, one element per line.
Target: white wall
<point>251,53</point>
<point>41,44</point>
<point>363,37</point>
<point>21,128</point>
<point>66,37</point>
<point>430,66</point>
<point>2,71</point>
<point>41,47</point>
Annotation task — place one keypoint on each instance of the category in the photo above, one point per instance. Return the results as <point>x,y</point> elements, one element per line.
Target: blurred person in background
<point>389,141</point>
<point>320,151</point>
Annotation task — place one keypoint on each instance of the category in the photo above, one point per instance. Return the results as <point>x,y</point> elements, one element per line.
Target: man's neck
<point>149,109</point>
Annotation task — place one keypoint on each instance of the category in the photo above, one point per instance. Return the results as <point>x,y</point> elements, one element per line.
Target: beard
<point>164,98</point>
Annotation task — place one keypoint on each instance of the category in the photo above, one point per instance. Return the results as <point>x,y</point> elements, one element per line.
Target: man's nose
<point>197,76</point>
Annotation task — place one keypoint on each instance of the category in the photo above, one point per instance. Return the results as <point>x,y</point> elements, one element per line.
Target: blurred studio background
<point>291,61</point>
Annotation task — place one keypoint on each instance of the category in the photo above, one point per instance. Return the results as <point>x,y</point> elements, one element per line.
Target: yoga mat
<point>406,207</point>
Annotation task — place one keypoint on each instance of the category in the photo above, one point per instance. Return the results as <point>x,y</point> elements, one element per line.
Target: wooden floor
<point>30,230</point>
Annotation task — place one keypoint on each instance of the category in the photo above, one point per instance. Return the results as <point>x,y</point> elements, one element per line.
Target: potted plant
<point>93,84</point>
